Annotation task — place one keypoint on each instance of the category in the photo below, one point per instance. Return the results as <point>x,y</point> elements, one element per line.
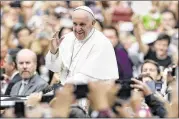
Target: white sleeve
<point>53,61</point>
<point>80,78</point>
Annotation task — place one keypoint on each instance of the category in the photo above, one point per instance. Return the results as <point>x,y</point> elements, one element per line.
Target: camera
<point>19,109</point>
<point>81,91</point>
<point>125,90</point>
<point>158,85</point>
<point>171,70</point>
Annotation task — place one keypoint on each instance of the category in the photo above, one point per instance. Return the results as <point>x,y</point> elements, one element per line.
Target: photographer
<point>157,107</point>
<point>151,68</point>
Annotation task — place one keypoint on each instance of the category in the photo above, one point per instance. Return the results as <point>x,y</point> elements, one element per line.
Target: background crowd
<point>146,30</point>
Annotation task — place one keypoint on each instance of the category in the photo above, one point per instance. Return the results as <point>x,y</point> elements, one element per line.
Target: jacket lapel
<point>16,90</point>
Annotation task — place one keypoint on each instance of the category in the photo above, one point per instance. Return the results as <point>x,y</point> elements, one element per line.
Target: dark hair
<point>61,30</point>
<point>20,29</point>
<point>151,62</point>
<point>163,36</point>
<point>100,23</point>
<point>113,28</point>
<point>167,10</point>
<point>12,54</point>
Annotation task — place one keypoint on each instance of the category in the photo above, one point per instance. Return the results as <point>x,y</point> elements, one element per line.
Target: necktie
<point>21,88</point>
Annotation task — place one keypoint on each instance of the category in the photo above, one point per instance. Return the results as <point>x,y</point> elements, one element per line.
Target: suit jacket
<point>35,84</point>
<point>14,80</point>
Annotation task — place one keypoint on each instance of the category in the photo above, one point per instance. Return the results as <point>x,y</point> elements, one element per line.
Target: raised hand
<point>55,42</point>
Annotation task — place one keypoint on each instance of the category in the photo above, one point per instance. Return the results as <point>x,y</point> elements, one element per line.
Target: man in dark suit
<point>11,69</point>
<point>31,81</point>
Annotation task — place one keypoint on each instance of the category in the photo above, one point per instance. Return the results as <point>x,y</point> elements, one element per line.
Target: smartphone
<point>173,73</point>
<point>19,109</point>
<point>81,91</point>
<point>47,98</point>
<point>158,85</point>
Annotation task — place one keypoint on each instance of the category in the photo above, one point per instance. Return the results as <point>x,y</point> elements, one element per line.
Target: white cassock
<point>80,61</point>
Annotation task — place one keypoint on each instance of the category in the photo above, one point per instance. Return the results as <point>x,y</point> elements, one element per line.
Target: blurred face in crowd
<point>111,35</point>
<point>9,65</point>
<point>151,69</point>
<point>4,49</point>
<point>44,42</point>
<point>168,20</point>
<point>161,47</point>
<point>23,33</point>
<point>26,63</point>
<point>82,24</point>
<point>74,4</point>
<point>24,37</point>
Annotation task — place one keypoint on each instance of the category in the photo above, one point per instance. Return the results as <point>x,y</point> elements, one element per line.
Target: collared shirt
<point>23,84</point>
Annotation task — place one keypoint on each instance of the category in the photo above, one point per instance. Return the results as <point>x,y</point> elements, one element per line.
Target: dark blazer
<point>36,84</point>
<point>14,80</point>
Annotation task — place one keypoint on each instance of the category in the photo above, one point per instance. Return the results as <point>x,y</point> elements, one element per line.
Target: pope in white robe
<point>82,58</point>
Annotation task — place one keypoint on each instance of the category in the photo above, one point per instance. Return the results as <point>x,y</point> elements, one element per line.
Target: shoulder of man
<point>39,80</point>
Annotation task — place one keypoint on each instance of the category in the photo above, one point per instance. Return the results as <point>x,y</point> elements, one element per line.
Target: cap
<point>85,8</point>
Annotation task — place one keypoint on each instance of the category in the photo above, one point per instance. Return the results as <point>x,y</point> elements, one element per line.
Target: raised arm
<point>137,32</point>
<point>53,59</point>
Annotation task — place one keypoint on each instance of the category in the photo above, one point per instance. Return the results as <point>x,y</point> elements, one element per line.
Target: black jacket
<point>156,106</point>
<point>15,79</point>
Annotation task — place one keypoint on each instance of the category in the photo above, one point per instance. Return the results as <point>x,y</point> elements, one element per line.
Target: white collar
<point>89,35</point>
<point>25,81</point>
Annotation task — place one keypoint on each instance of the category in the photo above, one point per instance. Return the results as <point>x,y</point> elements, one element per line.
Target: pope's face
<point>82,24</point>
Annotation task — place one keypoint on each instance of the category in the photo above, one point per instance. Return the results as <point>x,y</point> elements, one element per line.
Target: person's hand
<point>122,113</point>
<point>43,110</point>
<point>173,111</point>
<point>135,19</point>
<point>55,42</point>
<point>141,86</point>
<point>167,75</point>
<point>136,99</point>
<point>99,94</point>
<point>6,77</point>
<point>61,104</point>
<point>113,90</point>
<point>9,113</point>
<point>34,99</point>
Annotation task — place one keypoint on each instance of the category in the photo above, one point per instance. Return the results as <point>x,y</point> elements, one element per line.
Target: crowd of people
<point>128,47</point>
